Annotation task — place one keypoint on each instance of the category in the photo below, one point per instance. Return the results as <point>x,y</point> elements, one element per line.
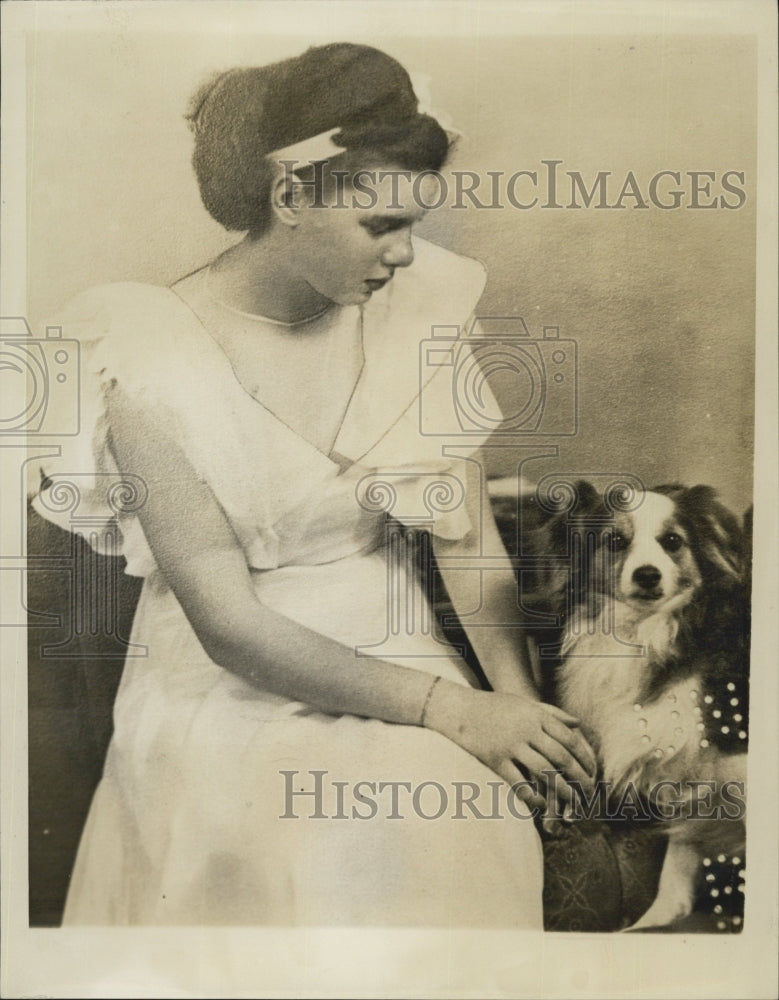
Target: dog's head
<point>661,551</point>
<point>649,556</point>
<point>673,542</point>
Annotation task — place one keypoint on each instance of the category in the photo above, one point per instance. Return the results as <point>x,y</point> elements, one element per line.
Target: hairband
<point>312,150</point>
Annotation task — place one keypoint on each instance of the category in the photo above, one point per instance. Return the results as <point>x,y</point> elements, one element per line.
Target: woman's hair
<point>241,116</point>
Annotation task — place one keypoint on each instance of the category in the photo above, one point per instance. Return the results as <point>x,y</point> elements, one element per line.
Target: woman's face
<point>349,247</point>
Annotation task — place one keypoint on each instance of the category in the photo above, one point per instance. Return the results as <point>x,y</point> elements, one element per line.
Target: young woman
<point>282,753</point>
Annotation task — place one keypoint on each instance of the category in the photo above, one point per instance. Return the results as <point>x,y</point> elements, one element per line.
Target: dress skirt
<point>223,804</point>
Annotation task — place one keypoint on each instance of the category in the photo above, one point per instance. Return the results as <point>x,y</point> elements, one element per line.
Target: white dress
<point>199,818</point>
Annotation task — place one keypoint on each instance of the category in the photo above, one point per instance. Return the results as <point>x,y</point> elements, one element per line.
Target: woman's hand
<point>518,738</point>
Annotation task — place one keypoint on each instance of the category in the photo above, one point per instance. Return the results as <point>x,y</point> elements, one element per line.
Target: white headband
<point>315,149</point>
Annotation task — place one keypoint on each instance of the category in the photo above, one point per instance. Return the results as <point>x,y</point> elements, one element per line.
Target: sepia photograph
<point>389,499</point>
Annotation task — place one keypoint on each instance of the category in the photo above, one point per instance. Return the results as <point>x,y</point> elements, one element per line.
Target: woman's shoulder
<point>129,331</point>
<point>449,264</point>
<point>441,276</point>
<point>118,303</point>
<point>442,273</point>
<point>127,318</point>
<point>440,288</point>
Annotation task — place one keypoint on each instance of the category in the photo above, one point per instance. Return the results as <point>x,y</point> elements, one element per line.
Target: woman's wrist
<point>428,696</point>
<point>445,706</point>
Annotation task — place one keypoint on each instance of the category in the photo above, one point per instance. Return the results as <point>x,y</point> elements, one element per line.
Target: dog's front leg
<point>676,891</point>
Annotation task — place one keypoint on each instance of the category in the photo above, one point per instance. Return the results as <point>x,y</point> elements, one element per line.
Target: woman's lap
<point>221,804</point>
<point>306,819</point>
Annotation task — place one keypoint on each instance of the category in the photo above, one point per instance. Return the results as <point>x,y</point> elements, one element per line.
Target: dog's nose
<point>647,577</point>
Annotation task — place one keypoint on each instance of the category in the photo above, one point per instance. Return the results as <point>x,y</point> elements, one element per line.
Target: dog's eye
<point>616,541</point>
<point>672,542</point>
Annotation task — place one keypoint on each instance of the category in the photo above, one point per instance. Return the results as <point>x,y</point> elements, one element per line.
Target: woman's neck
<point>254,276</point>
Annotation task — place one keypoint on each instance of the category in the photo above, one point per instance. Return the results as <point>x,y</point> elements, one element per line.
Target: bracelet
<point>423,716</point>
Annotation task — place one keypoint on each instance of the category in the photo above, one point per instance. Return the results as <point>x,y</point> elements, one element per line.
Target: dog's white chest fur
<point>605,688</point>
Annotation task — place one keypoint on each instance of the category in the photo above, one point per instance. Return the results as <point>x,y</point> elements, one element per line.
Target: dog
<point>653,660</point>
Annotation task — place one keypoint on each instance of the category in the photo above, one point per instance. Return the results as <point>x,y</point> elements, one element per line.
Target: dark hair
<point>240,116</point>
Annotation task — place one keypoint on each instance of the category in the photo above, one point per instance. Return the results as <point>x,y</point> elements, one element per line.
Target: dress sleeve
<point>80,488</point>
<point>147,341</point>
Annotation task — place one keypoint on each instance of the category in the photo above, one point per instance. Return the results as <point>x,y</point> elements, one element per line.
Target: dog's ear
<point>588,500</point>
<point>545,525</point>
<point>717,533</point>
<point>576,503</point>
<point>544,520</point>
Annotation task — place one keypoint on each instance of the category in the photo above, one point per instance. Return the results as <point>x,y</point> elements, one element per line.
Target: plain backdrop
<point>660,303</point>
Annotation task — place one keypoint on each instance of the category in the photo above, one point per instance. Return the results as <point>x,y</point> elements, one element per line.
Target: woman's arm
<point>197,552</point>
<point>200,557</point>
<point>489,612</point>
<point>486,601</point>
